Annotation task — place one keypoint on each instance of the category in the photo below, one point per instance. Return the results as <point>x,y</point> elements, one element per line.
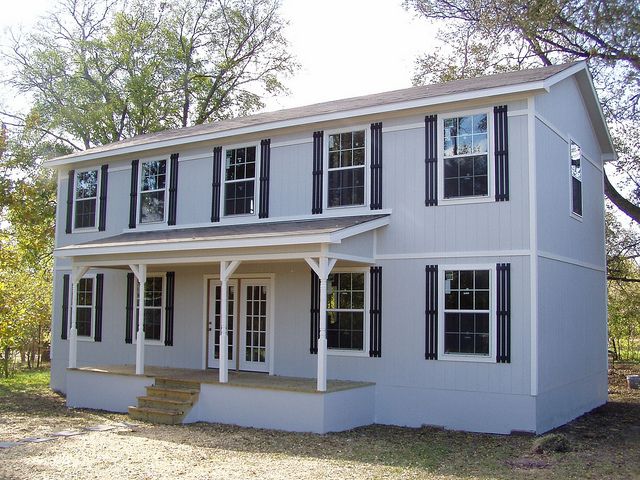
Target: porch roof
<point>211,238</point>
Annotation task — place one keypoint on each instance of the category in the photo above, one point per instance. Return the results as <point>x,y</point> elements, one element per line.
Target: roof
<point>321,230</point>
<point>497,84</point>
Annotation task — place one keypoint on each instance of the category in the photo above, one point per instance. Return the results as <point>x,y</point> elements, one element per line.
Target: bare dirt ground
<point>604,444</point>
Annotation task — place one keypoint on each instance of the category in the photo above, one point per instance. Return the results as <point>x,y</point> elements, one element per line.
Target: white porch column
<point>226,270</point>
<point>140,271</point>
<point>322,269</point>
<point>76,274</point>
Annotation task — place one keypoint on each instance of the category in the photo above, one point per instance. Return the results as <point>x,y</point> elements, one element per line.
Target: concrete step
<point>172,393</point>
<point>165,403</point>
<point>178,384</point>
<point>164,416</point>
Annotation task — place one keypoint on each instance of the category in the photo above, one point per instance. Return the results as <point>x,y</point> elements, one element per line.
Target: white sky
<point>345,48</point>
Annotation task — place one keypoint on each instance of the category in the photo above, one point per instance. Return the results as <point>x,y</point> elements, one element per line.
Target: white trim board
<point>571,261</point>
<point>453,255</point>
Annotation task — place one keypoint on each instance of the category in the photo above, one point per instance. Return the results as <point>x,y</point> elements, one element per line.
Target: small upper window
<point>86,199</point>
<point>239,184</point>
<point>153,183</point>
<point>467,312</point>
<point>465,155</point>
<point>576,179</point>
<point>85,307</point>
<point>345,311</point>
<point>346,169</point>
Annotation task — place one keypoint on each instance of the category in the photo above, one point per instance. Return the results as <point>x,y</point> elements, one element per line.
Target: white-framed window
<point>240,170</point>
<point>347,305</point>
<point>575,155</point>
<point>465,145</point>
<point>86,194</point>
<point>85,306</point>
<point>467,317</point>
<point>346,167</point>
<point>154,308</point>
<point>153,190</point>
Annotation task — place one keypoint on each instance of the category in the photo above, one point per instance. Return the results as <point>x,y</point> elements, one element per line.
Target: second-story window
<point>239,181</point>
<point>86,199</point>
<point>576,179</point>
<point>465,156</point>
<point>346,170</point>
<point>153,182</point>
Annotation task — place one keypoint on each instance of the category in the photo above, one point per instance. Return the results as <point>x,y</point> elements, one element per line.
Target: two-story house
<point>433,255</point>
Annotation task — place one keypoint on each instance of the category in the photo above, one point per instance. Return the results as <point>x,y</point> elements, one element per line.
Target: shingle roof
<point>336,106</point>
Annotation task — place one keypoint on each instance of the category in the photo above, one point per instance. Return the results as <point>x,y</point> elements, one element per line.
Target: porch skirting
<point>248,399</point>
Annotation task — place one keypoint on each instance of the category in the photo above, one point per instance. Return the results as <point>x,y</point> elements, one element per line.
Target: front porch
<point>247,399</point>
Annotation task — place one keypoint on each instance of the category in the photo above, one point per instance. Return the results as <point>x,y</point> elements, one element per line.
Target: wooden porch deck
<point>236,378</point>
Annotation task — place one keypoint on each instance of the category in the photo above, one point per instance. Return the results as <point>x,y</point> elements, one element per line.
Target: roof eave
<point>522,88</point>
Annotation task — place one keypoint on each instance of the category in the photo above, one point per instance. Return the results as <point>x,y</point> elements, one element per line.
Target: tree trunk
<point>7,351</point>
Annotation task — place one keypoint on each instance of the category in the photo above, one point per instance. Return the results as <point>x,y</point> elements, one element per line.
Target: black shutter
<point>128,324</point>
<point>503,354</point>
<point>173,189</point>
<point>316,200</point>
<point>97,336</point>
<point>168,330</point>
<point>376,166</point>
<point>102,217</point>
<point>265,165</point>
<point>431,160</point>
<point>65,306</point>
<point>72,177</point>
<point>501,140</point>
<point>215,184</point>
<point>431,313</point>
<point>314,332</point>
<point>133,200</point>
<point>375,313</point>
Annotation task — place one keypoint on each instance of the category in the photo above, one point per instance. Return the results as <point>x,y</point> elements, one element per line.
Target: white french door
<point>213,355</point>
<point>254,326</point>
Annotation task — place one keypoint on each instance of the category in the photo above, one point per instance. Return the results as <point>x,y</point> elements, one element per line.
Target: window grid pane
<point>346,172</point>
<point>152,306</point>
<point>240,172</point>
<point>84,307</point>
<point>345,311</point>
<point>152,191</point>
<point>467,309</point>
<point>466,156</point>
<point>86,192</point>
<point>576,179</point>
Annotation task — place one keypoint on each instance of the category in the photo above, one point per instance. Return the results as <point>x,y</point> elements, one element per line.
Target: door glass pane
<point>256,324</point>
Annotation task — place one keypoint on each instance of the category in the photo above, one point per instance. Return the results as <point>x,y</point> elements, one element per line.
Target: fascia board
<point>530,87</point>
<point>340,235</point>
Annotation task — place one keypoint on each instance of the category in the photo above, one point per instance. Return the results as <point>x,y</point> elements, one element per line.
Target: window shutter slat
<point>316,201</point>
<point>168,331</point>
<point>375,313</point>
<point>501,145</point>
<point>65,306</point>
<point>97,336</point>
<point>128,327</point>
<point>70,186</point>
<point>431,313</point>
<point>431,160</point>
<point>265,165</point>
<point>215,184</point>
<point>133,200</point>
<point>314,331</point>
<point>102,216</point>
<point>173,190</point>
<point>503,331</point>
<point>376,166</point>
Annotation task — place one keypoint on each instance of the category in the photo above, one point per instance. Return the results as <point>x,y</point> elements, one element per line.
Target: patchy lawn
<point>604,444</point>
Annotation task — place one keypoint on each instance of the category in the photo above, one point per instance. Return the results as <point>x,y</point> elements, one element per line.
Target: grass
<point>603,444</point>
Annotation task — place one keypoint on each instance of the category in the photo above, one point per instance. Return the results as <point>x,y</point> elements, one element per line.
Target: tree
<point>100,71</point>
<point>488,36</point>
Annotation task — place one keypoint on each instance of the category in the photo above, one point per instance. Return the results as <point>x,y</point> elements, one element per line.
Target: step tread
<point>172,389</point>
<point>165,400</point>
<point>156,411</point>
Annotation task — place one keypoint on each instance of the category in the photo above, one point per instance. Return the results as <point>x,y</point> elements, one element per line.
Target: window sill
<point>576,217</point>
<point>465,200</point>
<point>85,339</point>
<point>340,207</point>
<point>466,358</point>
<point>85,230</point>
<point>346,353</point>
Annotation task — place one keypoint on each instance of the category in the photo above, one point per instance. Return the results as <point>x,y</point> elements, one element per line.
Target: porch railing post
<point>142,278</point>
<point>73,331</point>
<point>224,341</point>
<point>323,265</point>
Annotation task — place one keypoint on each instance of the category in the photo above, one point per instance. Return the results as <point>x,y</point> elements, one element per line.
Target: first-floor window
<point>85,307</point>
<point>153,182</point>
<point>576,179</point>
<point>153,308</point>
<point>467,326</point>
<point>346,311</point>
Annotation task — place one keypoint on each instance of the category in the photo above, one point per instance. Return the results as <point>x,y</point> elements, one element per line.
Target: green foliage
<point>25,381</point>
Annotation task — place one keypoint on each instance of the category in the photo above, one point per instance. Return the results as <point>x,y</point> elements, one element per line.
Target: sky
<point>345,48</point>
